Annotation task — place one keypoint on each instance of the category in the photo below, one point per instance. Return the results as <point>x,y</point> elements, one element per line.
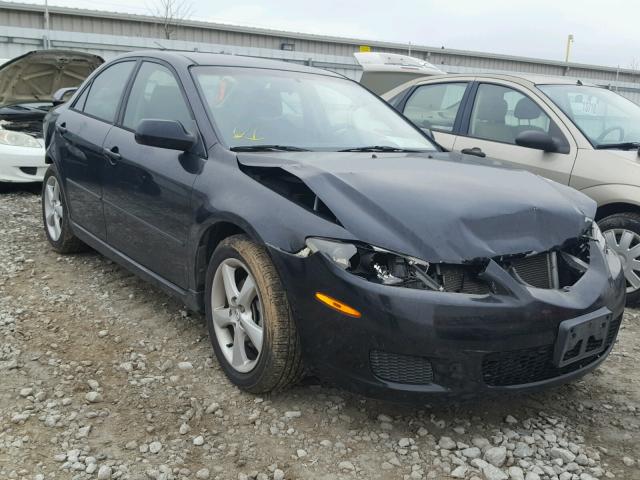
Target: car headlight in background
<point>18,139</point>
<point>376,264</point>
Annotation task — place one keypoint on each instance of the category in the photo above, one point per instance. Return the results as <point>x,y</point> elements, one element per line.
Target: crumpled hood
<point>448,208</point>
<point>37,75</point>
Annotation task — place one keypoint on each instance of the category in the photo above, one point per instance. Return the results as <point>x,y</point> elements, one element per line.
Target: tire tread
<point>284,366</point>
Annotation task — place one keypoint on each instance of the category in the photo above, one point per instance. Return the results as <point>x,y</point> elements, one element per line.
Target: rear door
<point>494,116</point>
<point>147,190</point>
<point>81,131</point>
<point>437,108</point>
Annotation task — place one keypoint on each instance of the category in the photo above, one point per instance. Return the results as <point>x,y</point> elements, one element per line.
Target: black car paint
<point>426,205</point>
<point>164,208</point>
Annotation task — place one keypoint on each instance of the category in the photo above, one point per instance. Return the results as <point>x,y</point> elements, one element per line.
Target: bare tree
<point>171,14</point>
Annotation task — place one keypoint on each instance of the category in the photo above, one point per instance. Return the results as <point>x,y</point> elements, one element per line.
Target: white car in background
<point>27,87</point>
<point>383,71</point>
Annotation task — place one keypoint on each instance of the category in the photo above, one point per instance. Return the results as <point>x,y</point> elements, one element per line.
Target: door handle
<point>112,154</point>
<point>477,151</point>
<point>62,128</point>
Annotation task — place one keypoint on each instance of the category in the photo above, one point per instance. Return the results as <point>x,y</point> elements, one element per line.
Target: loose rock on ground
<point>104,377</point>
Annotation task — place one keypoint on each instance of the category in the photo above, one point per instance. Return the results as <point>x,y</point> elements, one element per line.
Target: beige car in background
<point>572,132</point>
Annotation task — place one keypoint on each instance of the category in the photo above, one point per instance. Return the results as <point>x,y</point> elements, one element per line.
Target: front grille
<point>456,278</point>
<point>536,270</point>
<point>394,367</point>
<point>614,326</point>
<point>501,369</point>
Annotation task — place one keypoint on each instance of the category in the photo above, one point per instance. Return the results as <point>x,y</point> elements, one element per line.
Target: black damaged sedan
<point>321,232</point>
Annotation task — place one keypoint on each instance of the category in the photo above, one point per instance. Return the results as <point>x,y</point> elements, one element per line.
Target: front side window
<point>501,114</point>
<point>435,107</point>
<point>604,117</point>
<point>106,90</point>
<point>252,107</point>
<point>155,94</point>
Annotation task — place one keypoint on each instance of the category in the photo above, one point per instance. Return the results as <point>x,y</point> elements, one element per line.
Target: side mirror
<point>537,140</point>
<point>169,134</point>
<point>63,95</point>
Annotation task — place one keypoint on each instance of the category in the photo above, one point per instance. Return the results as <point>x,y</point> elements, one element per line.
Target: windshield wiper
<point>379,148</point>
<point>267,148</point>
<point>620,145</point>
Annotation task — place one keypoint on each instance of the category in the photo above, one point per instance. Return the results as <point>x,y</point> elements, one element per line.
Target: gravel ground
<point>104,377</point>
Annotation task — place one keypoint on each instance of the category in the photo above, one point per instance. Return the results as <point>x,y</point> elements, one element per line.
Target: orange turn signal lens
<point>338,305</point>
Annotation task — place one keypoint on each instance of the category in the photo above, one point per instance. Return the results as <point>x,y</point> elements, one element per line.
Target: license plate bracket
<point>581,337</point>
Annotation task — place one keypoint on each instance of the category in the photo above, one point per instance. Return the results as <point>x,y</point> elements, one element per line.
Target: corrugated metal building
<point>22,29</point>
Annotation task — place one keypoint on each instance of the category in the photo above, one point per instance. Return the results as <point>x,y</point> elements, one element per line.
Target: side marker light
<point>338,305</point>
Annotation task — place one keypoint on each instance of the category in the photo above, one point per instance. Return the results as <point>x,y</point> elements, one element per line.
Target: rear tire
<point>622,232</point>
<point>276,363</point>
<point>55,216</point>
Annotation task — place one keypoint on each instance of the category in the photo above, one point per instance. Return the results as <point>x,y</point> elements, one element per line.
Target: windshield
<point>253,107</point>
<point>603,116</point>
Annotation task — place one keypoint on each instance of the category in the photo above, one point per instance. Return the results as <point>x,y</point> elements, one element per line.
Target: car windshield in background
<point>606,118</point>
<point>283,110</point>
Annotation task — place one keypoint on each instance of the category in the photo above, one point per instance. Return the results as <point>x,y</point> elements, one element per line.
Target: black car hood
<point>441,207</point>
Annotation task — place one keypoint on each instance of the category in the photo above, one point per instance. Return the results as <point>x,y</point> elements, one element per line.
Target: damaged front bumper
<point>411,343</point>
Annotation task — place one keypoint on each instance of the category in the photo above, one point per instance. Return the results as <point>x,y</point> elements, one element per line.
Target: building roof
<point>303,36</point>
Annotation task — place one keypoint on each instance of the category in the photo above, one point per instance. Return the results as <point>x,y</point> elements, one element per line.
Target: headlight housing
<point>376,264</point>
<point>18,139</point>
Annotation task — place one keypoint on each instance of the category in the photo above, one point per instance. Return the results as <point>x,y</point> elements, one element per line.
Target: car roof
<point>526,80</point>
<point>189,58</point>
<point>523,78</point>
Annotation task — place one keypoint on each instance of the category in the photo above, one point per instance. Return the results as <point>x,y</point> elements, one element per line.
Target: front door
<point>147,190</point>
<point>81,131</point>
<point>498,114</point>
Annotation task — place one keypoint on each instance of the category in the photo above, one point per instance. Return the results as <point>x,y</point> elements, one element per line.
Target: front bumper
<point>438,343</point>
<point>22,164</point>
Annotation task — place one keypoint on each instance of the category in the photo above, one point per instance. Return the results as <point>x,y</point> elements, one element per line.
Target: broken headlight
<point>376,264</point>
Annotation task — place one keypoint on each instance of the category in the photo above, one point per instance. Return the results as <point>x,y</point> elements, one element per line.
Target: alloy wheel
<point>626,244</point>
<point>53,211</point>
<point>236,309</point>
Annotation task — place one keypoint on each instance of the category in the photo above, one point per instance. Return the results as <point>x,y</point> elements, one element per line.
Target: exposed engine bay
<point>30,127</point>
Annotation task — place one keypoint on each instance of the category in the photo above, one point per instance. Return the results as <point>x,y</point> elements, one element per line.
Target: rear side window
<point>435,106</point>
<point>156,95</point>
<point>106,90</point>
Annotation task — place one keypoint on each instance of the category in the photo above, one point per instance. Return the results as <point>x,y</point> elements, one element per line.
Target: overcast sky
<point>606,32</point>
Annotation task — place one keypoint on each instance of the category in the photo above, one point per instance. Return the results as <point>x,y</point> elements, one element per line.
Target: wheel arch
<point>614,198</point>
<point>210,237</point>
<point>614,208</point>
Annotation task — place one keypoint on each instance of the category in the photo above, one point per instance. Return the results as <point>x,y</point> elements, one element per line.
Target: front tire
<point>55,216</point>
<point>622,232</point>
<point>250,323</point>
